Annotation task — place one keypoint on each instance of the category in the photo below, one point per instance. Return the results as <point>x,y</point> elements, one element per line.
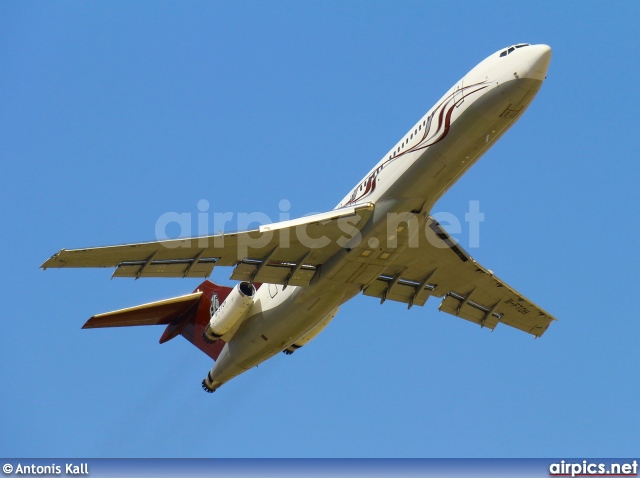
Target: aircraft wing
<point>439,267</point>
<point>287,252</point>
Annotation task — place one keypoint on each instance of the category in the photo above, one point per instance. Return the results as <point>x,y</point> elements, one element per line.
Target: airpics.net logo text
<point>204,223</point>
<point>587,468</point>
<point>71,469</point>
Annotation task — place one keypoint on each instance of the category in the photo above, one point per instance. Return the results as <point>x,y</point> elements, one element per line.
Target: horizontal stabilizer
<point>187,315</point>
<point>153,313</point>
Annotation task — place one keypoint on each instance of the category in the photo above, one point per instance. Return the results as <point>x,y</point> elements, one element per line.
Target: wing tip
<point>53,261</point>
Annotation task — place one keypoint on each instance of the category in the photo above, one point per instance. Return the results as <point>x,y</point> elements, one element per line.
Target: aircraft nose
<point>538,62</point>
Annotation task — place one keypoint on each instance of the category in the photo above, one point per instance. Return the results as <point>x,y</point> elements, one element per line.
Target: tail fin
<point>193,328</point>
<point>186,315</point>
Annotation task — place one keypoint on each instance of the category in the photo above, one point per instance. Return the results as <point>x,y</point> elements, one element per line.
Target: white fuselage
<point>412,176</point>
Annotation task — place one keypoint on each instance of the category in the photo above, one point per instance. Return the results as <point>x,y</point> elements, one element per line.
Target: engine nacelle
<point>312,334</point>
<point>230,312</point>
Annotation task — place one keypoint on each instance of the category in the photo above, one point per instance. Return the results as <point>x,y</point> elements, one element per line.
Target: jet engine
<point>230,312</point>
<point>312,334</point>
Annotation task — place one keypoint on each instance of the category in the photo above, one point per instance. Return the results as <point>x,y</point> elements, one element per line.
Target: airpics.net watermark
<point>591,468</point>
<point>401,228</point>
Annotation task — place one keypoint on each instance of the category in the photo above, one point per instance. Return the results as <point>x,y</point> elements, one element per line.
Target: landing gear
<point>291,348</point>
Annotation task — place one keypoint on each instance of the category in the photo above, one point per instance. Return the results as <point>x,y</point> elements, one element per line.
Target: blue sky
<point>116,113</point>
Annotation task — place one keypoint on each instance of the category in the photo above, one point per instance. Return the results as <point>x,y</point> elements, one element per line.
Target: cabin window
<point>411,136</point>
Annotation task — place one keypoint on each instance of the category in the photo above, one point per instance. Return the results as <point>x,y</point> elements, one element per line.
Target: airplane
<point>380,240</point>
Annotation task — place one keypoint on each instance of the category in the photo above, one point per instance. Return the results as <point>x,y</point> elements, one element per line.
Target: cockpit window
<point>512,48</point>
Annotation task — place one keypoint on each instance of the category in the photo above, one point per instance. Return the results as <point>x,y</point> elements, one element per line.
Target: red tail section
<point>186,315</point>
<point>192,328</point>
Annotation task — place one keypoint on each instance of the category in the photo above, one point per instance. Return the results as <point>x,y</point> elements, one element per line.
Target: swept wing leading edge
<point>293,249</point>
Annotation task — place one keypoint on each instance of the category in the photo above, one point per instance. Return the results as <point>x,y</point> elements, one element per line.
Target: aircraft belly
<point>268,332</point>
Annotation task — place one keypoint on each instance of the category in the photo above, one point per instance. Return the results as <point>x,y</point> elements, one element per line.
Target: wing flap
<point>472,312</point>
<point>274,273</point>
<point>408,292</point>
<point>164,269</point>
